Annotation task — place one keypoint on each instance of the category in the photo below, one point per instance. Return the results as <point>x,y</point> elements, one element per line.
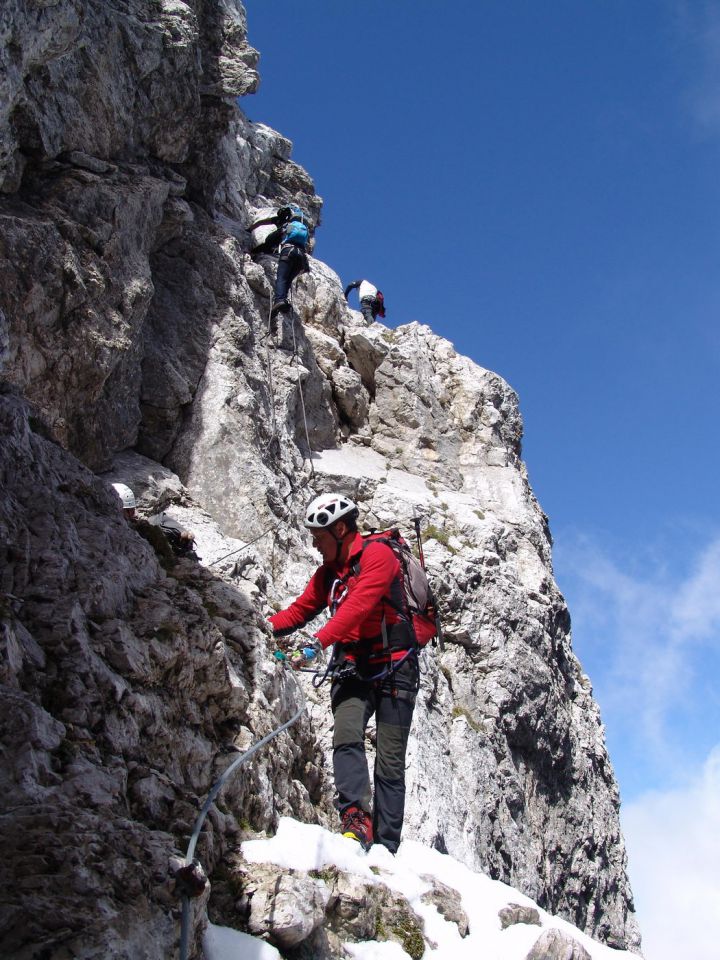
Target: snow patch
<point>302,846</point>
<point>355,462</point>
<point>222,943</point>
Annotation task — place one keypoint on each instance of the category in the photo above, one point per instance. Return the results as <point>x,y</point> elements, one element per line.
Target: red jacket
<point>363,603</point>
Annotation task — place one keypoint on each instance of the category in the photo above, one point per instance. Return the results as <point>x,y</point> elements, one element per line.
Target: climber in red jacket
<point>375,667</point>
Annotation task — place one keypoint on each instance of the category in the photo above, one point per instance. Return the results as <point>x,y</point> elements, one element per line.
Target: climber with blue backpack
<point>375,630</point>
<point>285,233</point>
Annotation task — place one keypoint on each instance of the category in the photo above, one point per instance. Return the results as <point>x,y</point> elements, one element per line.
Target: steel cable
<point>238,762</point>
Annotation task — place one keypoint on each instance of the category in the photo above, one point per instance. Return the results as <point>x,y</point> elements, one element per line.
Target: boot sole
<point>351,836</point>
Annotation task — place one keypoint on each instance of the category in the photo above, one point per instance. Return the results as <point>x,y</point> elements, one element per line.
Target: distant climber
<point>374,665</point>
<point>165,535</point>
<point>182,541</point>
<point>287,236</point>
<point>372,301</point>
<point>127,498</point>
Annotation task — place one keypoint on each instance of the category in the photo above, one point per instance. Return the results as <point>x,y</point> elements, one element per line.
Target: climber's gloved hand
<point>306,653</point>
<point>284,645</point>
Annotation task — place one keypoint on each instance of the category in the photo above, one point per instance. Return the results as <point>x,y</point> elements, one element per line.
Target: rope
<point>300,389</point>
<point>271,385</point>
<point>249,543</point>
<point>274,432</point>
<point>238,762</point>
<point>291,493</point>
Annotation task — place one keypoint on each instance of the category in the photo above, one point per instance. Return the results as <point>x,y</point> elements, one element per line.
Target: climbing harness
<point>391,668</point>
<point>191,877</point>
<point>348,670</point>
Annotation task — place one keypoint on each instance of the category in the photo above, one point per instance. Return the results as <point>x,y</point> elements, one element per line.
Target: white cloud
<point>696,609</point>
<point>650,630</point>
<point>698,26</point>
<point>647,636</point>
<point>673,841</point>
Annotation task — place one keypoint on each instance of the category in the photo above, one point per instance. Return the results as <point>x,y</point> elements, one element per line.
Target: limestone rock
<point>555,945</point>
<point>448,903</point>
<point>350,396</point>
<point>4,340</point>
<point>288,908</point>
<point>515,913</point>
<point>399,923</point>
<point>366,350</point>
<point>354,907</point>
<point>122,692</point>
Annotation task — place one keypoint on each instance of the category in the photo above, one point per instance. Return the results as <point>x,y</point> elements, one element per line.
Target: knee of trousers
<point>349,724</point>
<point>391,749</point>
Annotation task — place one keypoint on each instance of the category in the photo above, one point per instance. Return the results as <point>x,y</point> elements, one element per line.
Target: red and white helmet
<point>324,510</point>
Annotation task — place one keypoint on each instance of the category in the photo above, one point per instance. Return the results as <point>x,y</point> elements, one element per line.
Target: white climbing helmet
<point>126,495</point>
<point>324,510</point>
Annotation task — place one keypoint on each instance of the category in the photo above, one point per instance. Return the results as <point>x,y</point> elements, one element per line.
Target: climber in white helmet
<point>127,498</point>
<point>168,538</point>
<point>375,668</point>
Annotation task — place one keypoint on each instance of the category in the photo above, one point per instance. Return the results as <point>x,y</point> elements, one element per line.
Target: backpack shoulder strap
<point>368,538</point>
<point>387,538</point>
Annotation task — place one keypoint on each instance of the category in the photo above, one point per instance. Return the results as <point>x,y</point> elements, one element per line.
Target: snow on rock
<point>307,847</point>
<point>376,951</point>
<point>502,924</point>
<point>355,463</point>
<point>223,943</point>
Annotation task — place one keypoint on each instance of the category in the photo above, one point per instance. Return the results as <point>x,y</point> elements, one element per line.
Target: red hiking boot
<point>357,825</point>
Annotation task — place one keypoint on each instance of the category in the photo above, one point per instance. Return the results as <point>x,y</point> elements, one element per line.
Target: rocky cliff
<point>135,345</point>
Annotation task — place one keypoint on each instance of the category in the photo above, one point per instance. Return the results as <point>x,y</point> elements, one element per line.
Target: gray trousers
<point>392,700</point>
<point>368,308</point>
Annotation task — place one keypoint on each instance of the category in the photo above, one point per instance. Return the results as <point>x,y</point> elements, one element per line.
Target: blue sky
<point>539,182</point>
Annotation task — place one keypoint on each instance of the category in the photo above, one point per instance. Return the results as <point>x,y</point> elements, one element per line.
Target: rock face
<point>555,945</point>
<point>134,342</point>
<point>125,692</point>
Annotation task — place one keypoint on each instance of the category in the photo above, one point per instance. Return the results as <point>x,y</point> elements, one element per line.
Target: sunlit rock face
<point>135,345</point>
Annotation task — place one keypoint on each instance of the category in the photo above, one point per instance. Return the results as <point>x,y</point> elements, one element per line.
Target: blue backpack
<point>296,233</point>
